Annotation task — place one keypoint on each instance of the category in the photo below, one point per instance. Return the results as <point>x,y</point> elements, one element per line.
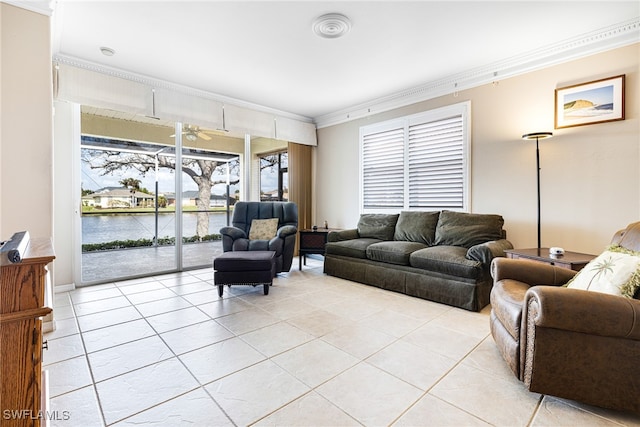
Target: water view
<point>129,226</point>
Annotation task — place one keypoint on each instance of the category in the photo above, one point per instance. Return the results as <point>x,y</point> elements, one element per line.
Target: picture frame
<point>598,101</point>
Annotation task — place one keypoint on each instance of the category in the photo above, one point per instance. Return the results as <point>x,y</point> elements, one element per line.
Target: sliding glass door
<point>128,223</point>
<point>147,207</point>
<point>156,193</point>
<point>210,188</point>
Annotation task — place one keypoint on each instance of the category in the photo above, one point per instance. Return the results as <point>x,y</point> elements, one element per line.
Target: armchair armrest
<point>338,236</point>
<point>233,232</point>
<point>582,311</point>
<point>487,251</point>
<point>573,339</point>
<point>286,230</point>
<point>529,272</point>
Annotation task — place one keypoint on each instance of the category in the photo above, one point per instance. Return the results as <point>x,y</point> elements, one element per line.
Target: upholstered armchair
<point>282,239</point>
<point>571,343</point>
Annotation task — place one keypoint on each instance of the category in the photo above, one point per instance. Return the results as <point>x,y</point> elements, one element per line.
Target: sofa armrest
<point>487,251</point>
<point>529,272</point>
<point>338,236</point>
<point>586,312</point>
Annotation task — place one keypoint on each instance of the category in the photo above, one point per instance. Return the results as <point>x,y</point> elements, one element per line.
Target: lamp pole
<point>538,177</point>
<point>538,136</point>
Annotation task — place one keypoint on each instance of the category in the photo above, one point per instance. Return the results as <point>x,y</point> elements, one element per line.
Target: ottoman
<point>244,268</point>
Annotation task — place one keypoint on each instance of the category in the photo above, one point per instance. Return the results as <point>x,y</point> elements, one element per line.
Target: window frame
<point>463,110</point>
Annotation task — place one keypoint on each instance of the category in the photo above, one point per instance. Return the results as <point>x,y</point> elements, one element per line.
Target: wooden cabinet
<point>22,306</point>
<point>312,242</point>
<point>570,260</point>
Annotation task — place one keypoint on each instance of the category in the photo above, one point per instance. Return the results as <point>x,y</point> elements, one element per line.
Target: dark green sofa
<point>440,256</point>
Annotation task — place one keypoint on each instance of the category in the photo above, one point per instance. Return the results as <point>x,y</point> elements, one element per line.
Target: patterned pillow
<point>263,229</point>
<point>616,271</point>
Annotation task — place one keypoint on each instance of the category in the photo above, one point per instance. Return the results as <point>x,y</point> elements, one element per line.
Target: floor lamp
<point>537,136</point>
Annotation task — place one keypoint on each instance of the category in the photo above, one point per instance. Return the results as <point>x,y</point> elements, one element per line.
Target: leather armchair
<point>569,343</point>
<point>236,237</point>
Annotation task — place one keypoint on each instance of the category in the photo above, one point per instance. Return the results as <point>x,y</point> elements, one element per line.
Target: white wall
<point>590,177</point>
<point>26,150</point>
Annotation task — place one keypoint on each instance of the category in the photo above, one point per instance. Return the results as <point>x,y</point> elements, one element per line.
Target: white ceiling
<point>265,52</point>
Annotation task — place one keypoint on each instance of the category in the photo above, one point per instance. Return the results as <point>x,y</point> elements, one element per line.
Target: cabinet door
<point>21,372</point>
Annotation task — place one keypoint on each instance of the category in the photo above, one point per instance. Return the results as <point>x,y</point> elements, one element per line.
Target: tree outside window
<point>274,177</point>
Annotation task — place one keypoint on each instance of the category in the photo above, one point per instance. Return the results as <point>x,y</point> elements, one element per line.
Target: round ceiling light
<point>331,26</point>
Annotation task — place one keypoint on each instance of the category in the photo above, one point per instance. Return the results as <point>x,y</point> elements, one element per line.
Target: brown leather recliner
<point>569,343</point>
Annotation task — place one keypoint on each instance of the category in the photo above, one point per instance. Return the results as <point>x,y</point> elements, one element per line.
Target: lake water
<point>106,228</point>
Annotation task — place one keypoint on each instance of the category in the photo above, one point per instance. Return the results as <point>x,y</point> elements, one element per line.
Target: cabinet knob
<point>45,345</point>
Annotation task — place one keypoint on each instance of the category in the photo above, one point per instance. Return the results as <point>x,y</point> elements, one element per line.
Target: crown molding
<point>43,7</point>
<point>612,37</point>
<point>158,83</point>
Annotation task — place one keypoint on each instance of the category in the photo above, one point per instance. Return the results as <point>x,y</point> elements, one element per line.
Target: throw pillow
<point>263,229</point>
<point>377,226</point>
<point>415,226</point>
<point>467,229</point>
<point>616,271</point>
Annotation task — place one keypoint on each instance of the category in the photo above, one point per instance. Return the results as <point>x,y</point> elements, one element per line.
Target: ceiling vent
<point>332,26</point>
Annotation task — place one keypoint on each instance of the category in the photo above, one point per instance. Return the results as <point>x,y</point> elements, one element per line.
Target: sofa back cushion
<point>414,226</point>
<point>466,229</point>
<point>377,226</point>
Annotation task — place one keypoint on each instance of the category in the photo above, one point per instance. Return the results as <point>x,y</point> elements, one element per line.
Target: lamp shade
<point>537,135</point>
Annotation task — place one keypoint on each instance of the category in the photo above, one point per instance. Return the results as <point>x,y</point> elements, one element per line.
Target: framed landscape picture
<point>588,103</point>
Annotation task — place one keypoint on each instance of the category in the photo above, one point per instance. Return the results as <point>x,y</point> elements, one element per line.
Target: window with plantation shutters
<point>418,162</point>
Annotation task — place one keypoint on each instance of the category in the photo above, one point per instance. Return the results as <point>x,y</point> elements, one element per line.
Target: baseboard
<point>48,326</point>
<point>63,288</point>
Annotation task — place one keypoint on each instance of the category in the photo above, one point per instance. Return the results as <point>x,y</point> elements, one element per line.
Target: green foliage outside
<point>162,241</point>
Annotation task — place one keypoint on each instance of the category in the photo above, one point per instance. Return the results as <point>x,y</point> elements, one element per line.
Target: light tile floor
<point>167,351</point>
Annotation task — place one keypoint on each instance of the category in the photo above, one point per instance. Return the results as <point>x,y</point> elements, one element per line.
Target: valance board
<point>94,88</point>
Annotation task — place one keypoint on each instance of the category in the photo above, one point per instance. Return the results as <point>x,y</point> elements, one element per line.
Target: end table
<point>571,260</point>
<point>312,242</point>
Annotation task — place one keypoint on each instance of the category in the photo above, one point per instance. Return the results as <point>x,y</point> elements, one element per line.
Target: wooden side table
<point>312,242</point>
<point>571,260</point>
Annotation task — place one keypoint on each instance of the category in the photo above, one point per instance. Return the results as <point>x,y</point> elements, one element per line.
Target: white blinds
<point>100,90</point>
<point>383,169</point>
<point>180,107</point>
<point>417,162</point>
<point>436,164</point>
<point>162,100</point>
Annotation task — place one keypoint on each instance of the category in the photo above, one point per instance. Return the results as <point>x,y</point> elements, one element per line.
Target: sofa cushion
<point>393,252</point>
<point>414,226</point>
<point>466,229</point>
<point>450,260</point>
<point>355,248</point>
<point>377,226</point>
